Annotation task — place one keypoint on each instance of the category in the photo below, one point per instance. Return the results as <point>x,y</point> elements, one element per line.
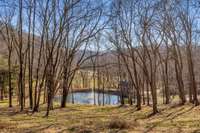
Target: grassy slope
<point>82,118</point>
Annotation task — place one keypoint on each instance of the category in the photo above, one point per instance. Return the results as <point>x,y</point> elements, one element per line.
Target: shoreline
<point>110,91</point>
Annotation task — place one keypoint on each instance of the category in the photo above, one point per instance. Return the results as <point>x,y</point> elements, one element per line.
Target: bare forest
<point>99,66</point>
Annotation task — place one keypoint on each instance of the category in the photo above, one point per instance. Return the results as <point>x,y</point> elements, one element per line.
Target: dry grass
<point>92,119</point>
<point>117,123</point>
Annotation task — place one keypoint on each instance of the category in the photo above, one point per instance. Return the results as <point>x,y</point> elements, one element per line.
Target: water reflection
<point>88,98</point>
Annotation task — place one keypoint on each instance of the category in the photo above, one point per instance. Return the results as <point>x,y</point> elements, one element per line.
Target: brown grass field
<point>99,119</point>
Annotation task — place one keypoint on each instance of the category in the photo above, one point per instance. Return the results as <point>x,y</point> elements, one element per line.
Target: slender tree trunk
<point>10,79</point>
<point>166,84</point>
<point>192,77</point>
<point>65,92</point>
<point>148,98</point>
<point>180,84</point>
<point>20,82</point>
<point>154,97</point>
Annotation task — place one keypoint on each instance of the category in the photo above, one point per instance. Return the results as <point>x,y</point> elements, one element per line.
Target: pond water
<point>88,98</point>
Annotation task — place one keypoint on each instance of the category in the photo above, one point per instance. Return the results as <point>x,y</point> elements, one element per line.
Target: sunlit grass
<point>77,118</point>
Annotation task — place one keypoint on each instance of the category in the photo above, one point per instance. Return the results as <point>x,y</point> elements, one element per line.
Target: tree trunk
<point>9,79</point>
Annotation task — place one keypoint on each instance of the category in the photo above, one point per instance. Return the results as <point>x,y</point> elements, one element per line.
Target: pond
<point>88,98</point>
